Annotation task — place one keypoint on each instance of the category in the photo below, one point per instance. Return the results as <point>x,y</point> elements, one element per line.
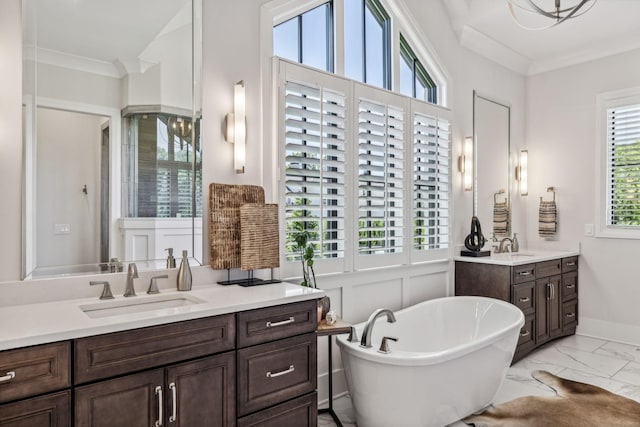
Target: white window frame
<point>605,101</point>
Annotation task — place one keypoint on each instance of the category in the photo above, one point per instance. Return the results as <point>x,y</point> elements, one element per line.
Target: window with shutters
<point>364,170</point>
<point>620,163</point>
<point>314,167</point>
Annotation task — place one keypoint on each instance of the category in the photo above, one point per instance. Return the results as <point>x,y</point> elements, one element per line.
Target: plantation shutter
<point>623,166</point>
<point>431,165</point>
<point>314,120</point>
<point>380,178</point>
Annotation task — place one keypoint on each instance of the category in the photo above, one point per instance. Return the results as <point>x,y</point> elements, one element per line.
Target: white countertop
<point>31,324</point>
<point>518,258</point>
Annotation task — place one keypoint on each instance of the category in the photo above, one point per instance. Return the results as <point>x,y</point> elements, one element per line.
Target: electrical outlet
<point>62,229</point>
<point>588,229</point>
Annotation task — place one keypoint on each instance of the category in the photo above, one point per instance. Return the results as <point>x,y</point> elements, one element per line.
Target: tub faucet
<point>132,273</point>
<point>368,327</point>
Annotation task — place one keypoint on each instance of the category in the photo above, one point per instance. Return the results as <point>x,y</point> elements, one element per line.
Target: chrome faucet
<point>368,327</point>
<point>132,273</point>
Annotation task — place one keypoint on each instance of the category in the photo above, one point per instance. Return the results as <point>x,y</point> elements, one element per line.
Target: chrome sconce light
<point>522,172</point>
<point>465,164</point>
<point>236,127</point>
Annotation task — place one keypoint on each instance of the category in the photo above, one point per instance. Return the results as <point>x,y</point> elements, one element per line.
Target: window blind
<point>623,166</point>
<point>315,168</point>
<point>380,178</point>
<point>431,158</point>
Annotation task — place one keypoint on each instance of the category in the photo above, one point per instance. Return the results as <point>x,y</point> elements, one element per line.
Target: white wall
<point>11,138</point>
<point>562,141</point>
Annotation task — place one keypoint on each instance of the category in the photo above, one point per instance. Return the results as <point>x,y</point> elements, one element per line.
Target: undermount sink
<point>137,304</point>
<point>518,254</point>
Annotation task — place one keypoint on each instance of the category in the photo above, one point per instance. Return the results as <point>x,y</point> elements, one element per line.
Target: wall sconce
<point>236,127</point>
<point>522,172</point>
<point>465,164</point>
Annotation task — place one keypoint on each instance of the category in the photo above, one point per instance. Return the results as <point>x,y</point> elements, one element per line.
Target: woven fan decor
<point>259,241</point>
<point>225,201</point>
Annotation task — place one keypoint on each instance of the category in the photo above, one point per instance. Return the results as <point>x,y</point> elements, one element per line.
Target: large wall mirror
<point>492,148</point>
<point>111,130</point>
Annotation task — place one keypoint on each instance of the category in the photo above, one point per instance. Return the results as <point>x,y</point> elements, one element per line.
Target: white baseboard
<point>610,331</point>
<point>339,386</point>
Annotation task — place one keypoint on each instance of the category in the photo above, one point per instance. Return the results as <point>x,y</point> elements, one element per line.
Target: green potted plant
<point>306,249</point>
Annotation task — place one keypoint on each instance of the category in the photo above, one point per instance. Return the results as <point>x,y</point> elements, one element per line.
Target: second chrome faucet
<point>132,273</point>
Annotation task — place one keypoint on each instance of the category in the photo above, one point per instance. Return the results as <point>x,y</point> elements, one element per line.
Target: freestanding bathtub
<point>449,362</point>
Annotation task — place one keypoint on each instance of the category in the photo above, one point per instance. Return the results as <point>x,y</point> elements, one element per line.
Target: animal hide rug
<point>576,404</point>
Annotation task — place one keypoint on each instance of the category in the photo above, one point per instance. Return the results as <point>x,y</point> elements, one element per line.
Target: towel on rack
<point>547,218</point>
<point>500,219</point>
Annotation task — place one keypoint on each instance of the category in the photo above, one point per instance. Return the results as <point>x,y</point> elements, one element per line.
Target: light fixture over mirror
<point>465,164</point>
<point>543,14</point>
<point>522,172</point>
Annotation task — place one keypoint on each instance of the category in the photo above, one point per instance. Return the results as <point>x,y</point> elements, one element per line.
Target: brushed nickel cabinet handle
<point>525,334</point>
<point>570,264</point>
<point>571,286</point>
<point>284,322</point>
<point>571,315</point>
<point>8,377</point>
<point>548,291</point>
<point>174,402</point>
<point>159,394</point>
<point>278,374</point>
<point>525,299</point>
<point>524,273</point>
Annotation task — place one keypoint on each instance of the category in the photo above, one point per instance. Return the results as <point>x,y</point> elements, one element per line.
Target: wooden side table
<point>340,327</point>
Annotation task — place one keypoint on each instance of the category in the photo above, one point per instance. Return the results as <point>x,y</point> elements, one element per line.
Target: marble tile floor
<point>610,365</point>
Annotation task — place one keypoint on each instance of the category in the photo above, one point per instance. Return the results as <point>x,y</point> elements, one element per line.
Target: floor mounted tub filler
<point>450,359</point>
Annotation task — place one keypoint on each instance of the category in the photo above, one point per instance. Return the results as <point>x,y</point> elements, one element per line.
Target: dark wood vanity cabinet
<point>35,386</point>
<point>546,292</point>
<point>259,365</point>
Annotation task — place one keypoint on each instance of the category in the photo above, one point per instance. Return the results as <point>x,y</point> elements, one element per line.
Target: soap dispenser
<point>171,261</point>
<point>515,246</point>
<point>184,273</point>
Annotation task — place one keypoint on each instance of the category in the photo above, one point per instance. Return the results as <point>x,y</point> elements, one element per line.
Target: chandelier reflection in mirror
<point>543,14</point>
<point>161,158</point>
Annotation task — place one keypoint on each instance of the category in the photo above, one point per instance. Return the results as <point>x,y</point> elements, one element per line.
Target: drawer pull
<point>571,315</point>
<point>8,377</point>
<point>570,264</point>
<point>525,334</point>
<point>525,299</point>
<point>279,374</point>
<point>524,273</point>
<point>174,403</point>
<point>159,394</point>
<point>571,286</point>
<point>284,322</point>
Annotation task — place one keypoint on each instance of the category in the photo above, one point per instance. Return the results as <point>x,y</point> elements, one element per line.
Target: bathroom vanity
<point>244,367</point>
<point>544,285</point>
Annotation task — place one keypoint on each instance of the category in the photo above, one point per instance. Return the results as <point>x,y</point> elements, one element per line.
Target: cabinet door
<point>132,401</point>
<point>542,310</point>
<point>202,393</point>
<point>52,410</point>
<point>555,306</point>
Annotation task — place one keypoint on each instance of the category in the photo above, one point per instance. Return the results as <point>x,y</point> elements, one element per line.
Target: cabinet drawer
<point>52,410</point>
<point>300,412</point>
<point>274,372</point>
<point>119,353</point>
<point>523,273</point>
<point>272,323</point>
<point>526,338</point>
<point>569,315</point>
<point>569,286</point>
<point>39,369</point>
<point>548,268</point>
<point>523,297</point>
<point>569,264</point>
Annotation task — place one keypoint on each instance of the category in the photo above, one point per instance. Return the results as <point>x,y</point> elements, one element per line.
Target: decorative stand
<point>475,240</point>
<point>340,327</point>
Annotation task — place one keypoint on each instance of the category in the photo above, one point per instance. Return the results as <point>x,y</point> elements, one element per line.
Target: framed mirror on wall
<point>492,170</point>
<point>111,134</point>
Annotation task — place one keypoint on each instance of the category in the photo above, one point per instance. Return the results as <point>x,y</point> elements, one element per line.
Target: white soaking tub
<point>451,358</point>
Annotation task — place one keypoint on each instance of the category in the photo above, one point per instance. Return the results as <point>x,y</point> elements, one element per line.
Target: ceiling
<point>487,27</point>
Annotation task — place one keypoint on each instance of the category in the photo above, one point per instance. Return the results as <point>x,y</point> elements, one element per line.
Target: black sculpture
<point>475,240</point>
